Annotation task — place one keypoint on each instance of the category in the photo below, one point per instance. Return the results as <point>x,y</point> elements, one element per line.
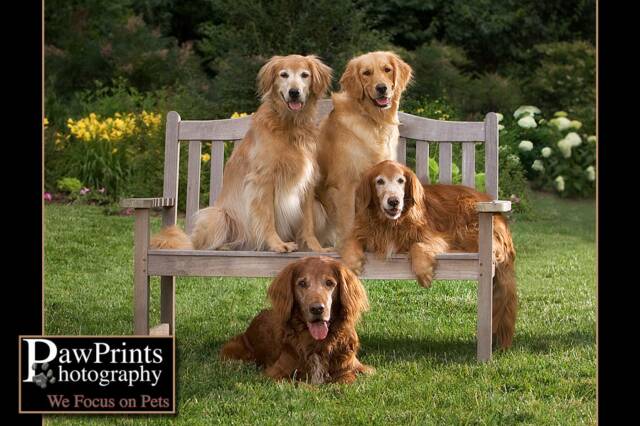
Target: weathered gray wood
<point>485,287</point>
<point>495,206</point>
<point>491,154</point>
<point>146,203</point>
<point>222,130</point>
<point>422,161</point>
<point>171,167</point>
<point>193,184</point>
<point>250,254</point>
<point>402,150</point>
<point>266,264</point>
<point>444,162</point>
<point>140,271</point>
<point>161,329</point>
<point>469,164</point>
<point>168,301</point>
<point>427,129</point>
<point>217,170</point>
<point>324,107</point>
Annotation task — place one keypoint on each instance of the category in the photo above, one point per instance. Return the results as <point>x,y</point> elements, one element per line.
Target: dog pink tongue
<point>295,106</point>
<point>382,101</point>
<point>318,330</point>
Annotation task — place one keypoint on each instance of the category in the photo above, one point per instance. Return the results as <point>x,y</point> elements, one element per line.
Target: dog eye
<point>284,74</point>
<point>366,72</point>
<point>304,75</point>
<point>400,180</point>
<point>380,181</point>
<point>303,284</point>
<point>387,69</point>
<point>330,283</point>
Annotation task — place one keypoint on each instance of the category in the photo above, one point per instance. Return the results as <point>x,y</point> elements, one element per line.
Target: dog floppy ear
<point>280,293</point>
<point>364,196</point>
<point>353,296</point>
<point>413,190</point>
<point>350,81</point>
<point>403,72</point>
<point>267,75</point>
<point>320,76</point>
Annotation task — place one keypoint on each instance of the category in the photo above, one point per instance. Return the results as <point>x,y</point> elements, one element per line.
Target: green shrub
<point>70,185</point>
<point>554,155</point>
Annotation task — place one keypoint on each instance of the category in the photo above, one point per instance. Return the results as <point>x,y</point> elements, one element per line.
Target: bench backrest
<point>423,130</point>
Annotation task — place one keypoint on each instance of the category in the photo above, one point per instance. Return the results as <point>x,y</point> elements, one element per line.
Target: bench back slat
<point>424,131</point>
<point>445,161</point>
<point>469,164</point>
<point>422,161</point>
<point>171,167</point>
<point>193,183</point>
<point>217,170</point>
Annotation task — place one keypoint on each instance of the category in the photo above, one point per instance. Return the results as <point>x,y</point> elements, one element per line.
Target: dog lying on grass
<point>309,333</point>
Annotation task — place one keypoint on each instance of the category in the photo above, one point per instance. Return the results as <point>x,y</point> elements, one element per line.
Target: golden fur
<point>433,219</point>
<point>279,339</point>
<point>267,199</point>
<point>358,133</point>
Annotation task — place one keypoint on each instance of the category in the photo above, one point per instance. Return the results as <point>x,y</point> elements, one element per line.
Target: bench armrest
<point>147,203</point>
<point>495,206</point>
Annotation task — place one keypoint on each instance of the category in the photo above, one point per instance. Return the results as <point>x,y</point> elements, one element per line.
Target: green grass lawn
<point>422,342</point>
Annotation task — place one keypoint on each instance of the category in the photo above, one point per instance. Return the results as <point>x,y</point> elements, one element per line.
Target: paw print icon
<point>45,376</point>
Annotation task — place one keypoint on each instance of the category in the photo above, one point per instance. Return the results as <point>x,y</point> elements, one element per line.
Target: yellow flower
<point>114,150</point>
<point>45,122</point>
<point>205,157</point>
<point>238,114</point>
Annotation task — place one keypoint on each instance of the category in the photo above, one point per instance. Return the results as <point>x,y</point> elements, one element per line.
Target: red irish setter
<point>309,333</point>
<point>396,213</point>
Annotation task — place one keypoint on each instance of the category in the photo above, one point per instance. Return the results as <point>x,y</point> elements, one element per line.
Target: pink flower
<point>101,190</point>
<point>84,190</point>
<point>47,196</point>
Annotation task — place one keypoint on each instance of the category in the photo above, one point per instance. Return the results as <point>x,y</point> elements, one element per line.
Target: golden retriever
<point>361,131</point>
<point>268,199</point>
<point>396,213</point>
<point>309,333</point>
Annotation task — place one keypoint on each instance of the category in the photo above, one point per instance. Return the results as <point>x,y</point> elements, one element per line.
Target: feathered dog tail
<point>505,297</point>
<point>171,237</point>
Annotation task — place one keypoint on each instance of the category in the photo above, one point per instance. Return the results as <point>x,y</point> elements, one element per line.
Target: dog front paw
<point>314,245</point>
<point>424,278</point>
<point>283,247</point>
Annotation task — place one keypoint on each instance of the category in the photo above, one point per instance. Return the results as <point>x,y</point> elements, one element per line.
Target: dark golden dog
<point>396,213</point>
<point>309,333</point>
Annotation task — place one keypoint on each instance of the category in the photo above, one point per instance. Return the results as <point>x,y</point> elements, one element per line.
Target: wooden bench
<point>169,264</point>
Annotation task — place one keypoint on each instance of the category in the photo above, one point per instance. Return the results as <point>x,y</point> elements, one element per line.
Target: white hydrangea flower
<point>574,139</point>
<point>559,183</point>
<point>565,147</point>
<point>560,114</point>
<point>537,165</point>
<point>500,116</point>
<point>525,146</point>
<point>561,123</point>
<point>527,122</point>
<point>514,158</point>
<point>591,173</point>
<point>500,127</point>
<point>591,139</point>
<point>526,110</point>
<point>546,152</point>
<point>576,124</point>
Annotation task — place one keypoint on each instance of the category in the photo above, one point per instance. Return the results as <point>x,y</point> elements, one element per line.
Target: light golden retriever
<point>267,199</point>
<point>309,333</point>
<point>396,213</point>
<point>362,130</point>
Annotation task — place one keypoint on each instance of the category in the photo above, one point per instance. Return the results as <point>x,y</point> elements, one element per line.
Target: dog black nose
<point>317,308</point>
<point>294,93</point>
<point>381,88</point>
<point>393,201</point>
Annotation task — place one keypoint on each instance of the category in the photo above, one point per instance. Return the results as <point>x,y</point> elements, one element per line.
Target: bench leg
<point>141,277</point>
<point>485,287</point>
<point>167,302</point>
